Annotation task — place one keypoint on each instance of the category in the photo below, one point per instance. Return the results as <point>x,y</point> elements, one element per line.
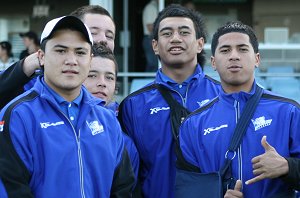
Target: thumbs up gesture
<point>236,192</point>
<point>268,165</point>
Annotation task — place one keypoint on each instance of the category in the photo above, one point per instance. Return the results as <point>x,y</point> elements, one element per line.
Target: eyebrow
<point>66,47</point>
<point>96,71</point>
<point>180,27</point>
<point>227,46</point>
<point>93,71</point>
<point>97,28</point>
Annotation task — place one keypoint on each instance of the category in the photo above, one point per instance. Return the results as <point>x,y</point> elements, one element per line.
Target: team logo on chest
<point>95,127</point>
<point>261,122</point>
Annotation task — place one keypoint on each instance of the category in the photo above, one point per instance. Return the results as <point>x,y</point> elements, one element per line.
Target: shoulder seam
<point>281,99</point>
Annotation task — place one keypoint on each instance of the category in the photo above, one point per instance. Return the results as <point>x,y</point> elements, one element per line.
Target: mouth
<point>69,71</point>
<point>176,50</point>
<point>100,94</point>
<point>234,68</point>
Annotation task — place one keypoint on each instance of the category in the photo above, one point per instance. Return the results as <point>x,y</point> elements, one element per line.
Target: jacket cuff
<point>293,176</point>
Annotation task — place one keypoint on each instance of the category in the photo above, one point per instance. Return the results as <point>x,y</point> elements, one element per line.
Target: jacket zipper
<point>184,100</point>
<point>77,137</point>
<point>239,151</point>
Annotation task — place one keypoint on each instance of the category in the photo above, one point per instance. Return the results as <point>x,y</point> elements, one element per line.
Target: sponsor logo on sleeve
<point>157,109</point>
<point>45,125</point>
<point>211,129</point>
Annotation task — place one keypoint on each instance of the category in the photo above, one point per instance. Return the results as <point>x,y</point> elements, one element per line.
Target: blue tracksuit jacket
<point>205,136</point>
<point>128,142</point>
<point>145,116</point>
<point>48,157</point>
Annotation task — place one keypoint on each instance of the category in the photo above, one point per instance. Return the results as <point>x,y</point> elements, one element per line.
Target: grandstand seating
<point>138,83</point>
<point>208,70</point>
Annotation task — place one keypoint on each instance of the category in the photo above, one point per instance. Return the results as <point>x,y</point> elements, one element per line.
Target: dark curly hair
<point>100,49</point>
<point>176,10</point>
<point>234,26</point>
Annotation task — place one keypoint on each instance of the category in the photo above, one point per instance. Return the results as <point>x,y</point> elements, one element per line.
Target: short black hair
<point>234,26</point>
<point>176,10</point>
<point>7,46</point>
<point>31,35</point>
<point>101,49</point>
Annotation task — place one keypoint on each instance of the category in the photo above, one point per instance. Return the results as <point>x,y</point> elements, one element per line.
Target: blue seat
<point>287,81</point>
<point>280,69</point>
<point>286,86</point>
<point>138,83</point>
<point>208,70</point>
<point>288,92</point>
<point>261,82</point>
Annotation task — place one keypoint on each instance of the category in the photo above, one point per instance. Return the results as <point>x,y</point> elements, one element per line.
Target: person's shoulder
<point>21,104</point>
<point>142,92</point>
<point>276,98</point>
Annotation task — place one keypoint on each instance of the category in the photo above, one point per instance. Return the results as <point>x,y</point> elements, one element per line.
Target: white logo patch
<point>45,125</point>
<point>203,102</point>
<point>210,129</point>
<point>95,127</point>
<point>157,109</point>
<point>261,122</point>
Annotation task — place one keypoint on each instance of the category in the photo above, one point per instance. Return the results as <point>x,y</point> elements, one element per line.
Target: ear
<point>41,57</point>
<point>200,43</point>
<point>213,63</point>
<point>155,47</point>
<point>257,60</point>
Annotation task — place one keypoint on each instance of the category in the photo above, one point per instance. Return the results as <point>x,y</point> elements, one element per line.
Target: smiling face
<point>102,28</point>
<point>177,45</point>
<point>101,81</point>
<point>235,61</point>
<point>66,61</point>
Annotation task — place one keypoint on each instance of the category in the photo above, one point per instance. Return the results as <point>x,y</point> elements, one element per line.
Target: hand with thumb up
<point>268,165</point>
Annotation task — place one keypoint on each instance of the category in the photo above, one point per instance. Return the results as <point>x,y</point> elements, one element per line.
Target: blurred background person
<point>150,12</point>
<point>31,43</point>
<point>6,56</point>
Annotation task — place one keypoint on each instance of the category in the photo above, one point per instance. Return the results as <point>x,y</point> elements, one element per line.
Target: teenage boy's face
<point>235,62</point>
<point>66,61</point>
<point>102,28</point>
<point>101,81</point>
<point>177,45</point>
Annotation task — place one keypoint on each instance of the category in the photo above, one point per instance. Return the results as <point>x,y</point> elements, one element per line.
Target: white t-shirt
<point>150,12</point>
<point>4,66</point>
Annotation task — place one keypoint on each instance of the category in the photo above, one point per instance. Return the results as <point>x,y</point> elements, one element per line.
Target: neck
<point>4,59</point>
<point>179,74</point>
<point>68,94</point>
<point>229,88</point>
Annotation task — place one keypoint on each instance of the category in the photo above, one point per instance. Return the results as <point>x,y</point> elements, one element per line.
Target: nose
<point>100,38</point>
<point>234,55</point>
<point>71,59</point>
<point>101,82</point>
<point>176,37</point>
